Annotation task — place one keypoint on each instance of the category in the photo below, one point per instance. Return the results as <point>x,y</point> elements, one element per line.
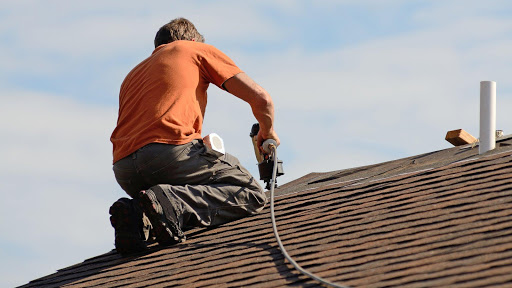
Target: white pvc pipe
<point>487,116</point>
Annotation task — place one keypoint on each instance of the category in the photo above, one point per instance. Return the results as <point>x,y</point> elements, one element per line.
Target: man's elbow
<point>263,99</point>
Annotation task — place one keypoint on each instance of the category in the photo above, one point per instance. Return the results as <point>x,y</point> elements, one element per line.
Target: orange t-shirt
<point>163,99</point>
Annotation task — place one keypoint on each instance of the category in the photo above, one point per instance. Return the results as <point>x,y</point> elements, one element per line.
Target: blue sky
<point>354,83</point>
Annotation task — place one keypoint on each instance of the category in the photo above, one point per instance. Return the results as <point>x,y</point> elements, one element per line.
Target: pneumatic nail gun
<point>265,160</point>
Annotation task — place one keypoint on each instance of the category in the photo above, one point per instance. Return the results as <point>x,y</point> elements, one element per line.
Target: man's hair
<point>177,29</point>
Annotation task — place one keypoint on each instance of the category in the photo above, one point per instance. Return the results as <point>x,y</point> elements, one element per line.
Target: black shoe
<point>127,221</point>
<point>166,231</point>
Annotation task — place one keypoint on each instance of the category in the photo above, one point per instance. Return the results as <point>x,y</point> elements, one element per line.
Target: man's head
<point>177,29</point>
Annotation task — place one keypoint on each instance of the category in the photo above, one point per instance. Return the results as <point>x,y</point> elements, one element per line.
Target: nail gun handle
<point>254,133</point>
<point>266,145</point>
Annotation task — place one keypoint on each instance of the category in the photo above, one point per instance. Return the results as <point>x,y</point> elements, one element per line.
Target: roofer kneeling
<point>160,160</point>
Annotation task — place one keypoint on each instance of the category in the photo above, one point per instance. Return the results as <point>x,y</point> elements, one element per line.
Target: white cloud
<point>406,91</point>
<point>99,29</point>
<point>56,181</point>
<point>52,133</point>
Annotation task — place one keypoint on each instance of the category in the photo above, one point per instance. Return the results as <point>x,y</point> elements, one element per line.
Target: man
<point>160,159</point>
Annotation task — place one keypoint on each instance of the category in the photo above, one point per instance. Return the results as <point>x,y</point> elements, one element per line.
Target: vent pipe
<point>487,116</point>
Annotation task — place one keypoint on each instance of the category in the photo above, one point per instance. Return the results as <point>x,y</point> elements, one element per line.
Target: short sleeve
<point>217,67</point>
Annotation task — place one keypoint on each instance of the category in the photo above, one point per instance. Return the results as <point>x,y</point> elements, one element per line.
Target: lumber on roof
<point>459,137</point>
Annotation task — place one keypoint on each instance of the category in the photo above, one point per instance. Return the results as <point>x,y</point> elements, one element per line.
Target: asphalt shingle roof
<point>441,219</point>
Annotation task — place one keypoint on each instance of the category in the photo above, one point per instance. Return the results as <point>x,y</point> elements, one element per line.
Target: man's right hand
<point>265,136</point>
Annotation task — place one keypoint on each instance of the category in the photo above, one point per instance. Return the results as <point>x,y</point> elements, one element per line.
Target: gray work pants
<point>204,187</point>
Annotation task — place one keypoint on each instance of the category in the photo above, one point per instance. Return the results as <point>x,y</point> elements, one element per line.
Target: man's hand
<point>265,136</point>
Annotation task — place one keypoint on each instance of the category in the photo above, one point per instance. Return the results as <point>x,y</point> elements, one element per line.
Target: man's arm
<point>243,87</point>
